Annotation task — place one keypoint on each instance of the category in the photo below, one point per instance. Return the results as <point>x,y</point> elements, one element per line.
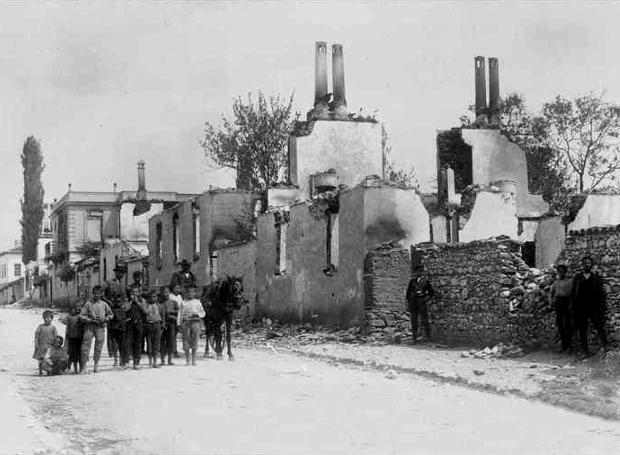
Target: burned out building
<point>303,258</point>
<point>483,177</point>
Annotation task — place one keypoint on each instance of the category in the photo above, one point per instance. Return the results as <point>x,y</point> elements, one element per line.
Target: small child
<point>170,309</point>
<point>176,294</point>
<point>75,334</point>
<point>44,337</point>
<point>191,314</point>
<point>55,360</point>
<point>153,312</point>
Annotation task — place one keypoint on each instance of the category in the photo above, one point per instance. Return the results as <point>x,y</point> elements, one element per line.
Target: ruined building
<point>483,181</point>
<point>304,261</point>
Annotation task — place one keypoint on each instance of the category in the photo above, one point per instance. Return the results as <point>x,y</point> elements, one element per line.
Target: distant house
<point>12,273</point>
<point>105,220</point>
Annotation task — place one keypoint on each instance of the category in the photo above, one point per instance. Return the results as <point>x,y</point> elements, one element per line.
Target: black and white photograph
<point>309,227</point>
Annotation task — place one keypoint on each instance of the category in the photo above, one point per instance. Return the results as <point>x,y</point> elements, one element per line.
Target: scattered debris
<point>499,351</point>
<point>391,374</point>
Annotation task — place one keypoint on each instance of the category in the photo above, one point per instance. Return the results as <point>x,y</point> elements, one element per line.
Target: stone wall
<point>603,244</point>
<point>485,292</point>
<point>481,288</point>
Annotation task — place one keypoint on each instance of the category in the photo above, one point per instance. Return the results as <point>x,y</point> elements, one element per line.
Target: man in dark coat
<point>185,278</point>
<point>588,298</point>
<point>419,292</point>
<point>115,293</point>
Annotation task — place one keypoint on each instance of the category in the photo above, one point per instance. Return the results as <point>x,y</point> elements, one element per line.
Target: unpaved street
<point>268,403</point>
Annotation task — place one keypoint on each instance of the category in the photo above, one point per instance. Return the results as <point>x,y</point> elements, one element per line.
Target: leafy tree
<point>585,133</point>
<point>254,141</point>
<point>547,175</point>
<point>391,172</point>
<point>32,202</point>
<point>67,274</point>
<point>90,250</point>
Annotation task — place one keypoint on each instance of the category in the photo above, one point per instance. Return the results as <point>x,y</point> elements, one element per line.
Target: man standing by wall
<point>589,304</point>
<point>419,292</point>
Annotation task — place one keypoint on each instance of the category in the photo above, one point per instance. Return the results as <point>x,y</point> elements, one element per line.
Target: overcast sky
<point>102,85</point>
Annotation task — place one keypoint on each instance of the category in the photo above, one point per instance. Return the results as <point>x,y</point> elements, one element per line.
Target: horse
<point>220,299</point>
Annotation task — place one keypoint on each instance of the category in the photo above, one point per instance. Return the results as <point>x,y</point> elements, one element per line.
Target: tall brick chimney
<point>481,89</point>
<point>339,105</point>
<point>141,180</point>
<point>493,91</point>
<point>320,74</point>
<point>142,203</point>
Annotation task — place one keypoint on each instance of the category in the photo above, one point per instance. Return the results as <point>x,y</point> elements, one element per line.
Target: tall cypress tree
<point>32,202</point>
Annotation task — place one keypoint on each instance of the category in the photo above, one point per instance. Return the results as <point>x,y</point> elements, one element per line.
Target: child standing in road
<point>170,310</point>
<point>75,334</point>
<point>153,328</point>
<point>44,337</point>
<point>95,315</point>
<point>191,314</point>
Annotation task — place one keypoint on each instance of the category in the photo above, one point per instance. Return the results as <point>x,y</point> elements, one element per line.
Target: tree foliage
<point>67,274</point>
<point>585,133</point>
<point>392,173</point>
<point>254,141</point>
<point>90,250</point>
<point>32,201</point>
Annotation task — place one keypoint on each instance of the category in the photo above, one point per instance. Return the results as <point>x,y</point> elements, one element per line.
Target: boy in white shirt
<point>191,314</point>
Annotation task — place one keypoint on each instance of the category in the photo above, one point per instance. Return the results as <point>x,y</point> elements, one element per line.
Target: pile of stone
<point>274,333</point>
<point>527,289</point>
<point>499,351</point>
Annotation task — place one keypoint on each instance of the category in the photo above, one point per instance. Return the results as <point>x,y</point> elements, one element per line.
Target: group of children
<point>154,317</point>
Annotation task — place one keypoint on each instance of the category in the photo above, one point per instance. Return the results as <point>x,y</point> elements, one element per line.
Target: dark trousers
<point>117,339</point>
<point>581,321</point>
<point>418,307</point>
<point>563,321</point>
<point>153,337</point>
<point>133,341</point>
<point>74,349</point>
<point>169,338</point>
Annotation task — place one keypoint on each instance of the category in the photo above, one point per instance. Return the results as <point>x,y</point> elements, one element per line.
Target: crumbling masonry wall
<point>486,292</point>
<point>479,286</point>
<point>603,244</point>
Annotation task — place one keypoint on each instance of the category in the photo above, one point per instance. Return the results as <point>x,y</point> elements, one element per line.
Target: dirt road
<point>268,403</point>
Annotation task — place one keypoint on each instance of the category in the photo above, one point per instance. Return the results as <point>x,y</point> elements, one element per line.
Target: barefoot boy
<point>94,315</point>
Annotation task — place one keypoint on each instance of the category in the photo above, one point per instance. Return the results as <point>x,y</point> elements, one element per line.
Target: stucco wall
<point>394,213</point>
<point>240,261</point>
<point>217,212</point>
<point>549,239</point>
<point>598,210</point>
<point>367,217</point>
<point>494,157</point>
<point>137,227</point>
<point>494,214</point>
<point>304,290</point>
<point>353,149</point>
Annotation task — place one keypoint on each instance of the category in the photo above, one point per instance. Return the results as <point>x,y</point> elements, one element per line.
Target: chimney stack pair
<point>321,97</point>
<point>487,114</point>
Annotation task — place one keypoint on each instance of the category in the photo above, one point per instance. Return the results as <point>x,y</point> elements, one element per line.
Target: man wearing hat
<point>185,278</point>
<point>115,293</point>
<point>419,292</point>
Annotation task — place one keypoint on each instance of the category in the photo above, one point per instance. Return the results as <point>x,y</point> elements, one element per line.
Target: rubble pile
<point>499,351</point>
<point>268,332</point>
